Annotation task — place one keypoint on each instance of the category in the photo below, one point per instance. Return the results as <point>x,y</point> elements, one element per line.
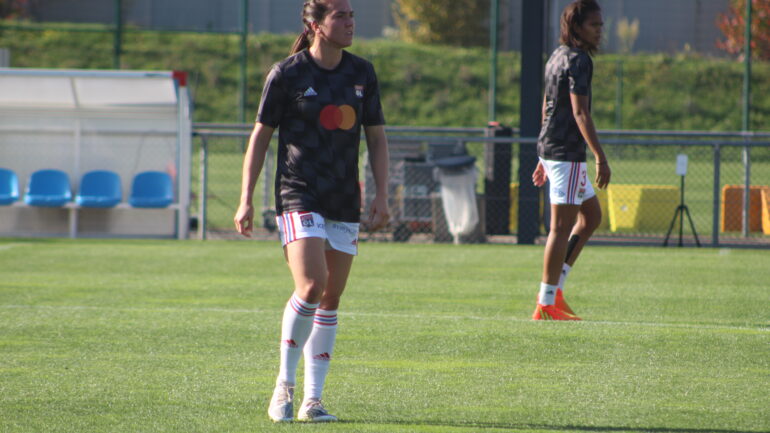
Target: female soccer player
<point>318,98</point>
<point>567,128</point>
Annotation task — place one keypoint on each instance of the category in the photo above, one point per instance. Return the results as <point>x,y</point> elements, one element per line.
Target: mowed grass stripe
<point>428,317</point>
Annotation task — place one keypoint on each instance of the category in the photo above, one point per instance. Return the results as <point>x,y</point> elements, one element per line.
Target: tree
<point>450,22</point>
<point>628,32</point>
<point>14,9</point>
<point>733,25</point>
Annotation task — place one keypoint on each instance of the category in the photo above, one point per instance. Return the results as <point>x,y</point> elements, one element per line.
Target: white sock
<point>318,352</point>
<point>547,294</point>
<point>563,278</point>
<point>295,330</point>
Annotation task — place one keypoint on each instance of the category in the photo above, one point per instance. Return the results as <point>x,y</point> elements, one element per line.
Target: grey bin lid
<point>455,162</point>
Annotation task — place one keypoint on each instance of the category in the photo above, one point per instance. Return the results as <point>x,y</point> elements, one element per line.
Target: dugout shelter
<point>82,121</point>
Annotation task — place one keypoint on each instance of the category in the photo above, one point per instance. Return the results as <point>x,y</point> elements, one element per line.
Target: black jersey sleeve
<point>580,69</point>
<point>274,99</point>
<point>372,108</point>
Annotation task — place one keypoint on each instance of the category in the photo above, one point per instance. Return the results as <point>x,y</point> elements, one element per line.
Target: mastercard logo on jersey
<point>338,117</point>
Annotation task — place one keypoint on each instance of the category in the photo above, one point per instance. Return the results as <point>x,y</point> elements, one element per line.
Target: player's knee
<point>561,227</point>
<point>591,214</point>
<point>593,221</point>
<point>596,222</point>
<point>311,288</point>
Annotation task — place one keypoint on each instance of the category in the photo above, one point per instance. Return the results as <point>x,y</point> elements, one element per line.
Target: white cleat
<point>282,404</point>
<point>313,411</point>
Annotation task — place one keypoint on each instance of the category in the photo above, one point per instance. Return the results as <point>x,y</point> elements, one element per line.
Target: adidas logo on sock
<point>323,357</point>
<point>291,343</point>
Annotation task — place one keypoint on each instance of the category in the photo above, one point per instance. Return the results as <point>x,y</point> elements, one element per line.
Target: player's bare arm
<point>252,166</point>
<point>586,125</point>
<point>377,144</point>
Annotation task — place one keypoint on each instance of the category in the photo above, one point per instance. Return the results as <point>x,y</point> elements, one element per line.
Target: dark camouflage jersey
<point>319,114</point>
<point>569,70</point>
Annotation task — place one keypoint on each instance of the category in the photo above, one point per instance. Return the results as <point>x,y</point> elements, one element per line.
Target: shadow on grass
<point>546,427</point>
<point>30,240</point>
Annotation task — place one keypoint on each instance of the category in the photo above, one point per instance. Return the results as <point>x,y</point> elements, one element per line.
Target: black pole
<point>494,21</point>
<point>681,217</point>
<point>118,38</point>
<point>242,81</point>
<point>497,181</point>
<point>532,44</point>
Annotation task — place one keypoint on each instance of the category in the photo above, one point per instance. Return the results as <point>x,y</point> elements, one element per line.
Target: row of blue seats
<point>98,189</point>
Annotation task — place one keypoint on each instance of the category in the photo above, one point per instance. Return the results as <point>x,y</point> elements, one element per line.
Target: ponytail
<point>302,42</point>
<point>313,11</point>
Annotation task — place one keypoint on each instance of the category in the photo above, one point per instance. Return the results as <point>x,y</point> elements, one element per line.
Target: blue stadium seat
<point>48,188</point>
<point>152,189</point>
<point>99,188</point>
<point>9,187</point>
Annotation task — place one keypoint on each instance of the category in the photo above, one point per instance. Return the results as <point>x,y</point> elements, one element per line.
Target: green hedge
<point>421,85</point>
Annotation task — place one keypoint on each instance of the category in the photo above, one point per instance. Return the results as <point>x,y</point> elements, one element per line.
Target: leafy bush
<point>425,85</point>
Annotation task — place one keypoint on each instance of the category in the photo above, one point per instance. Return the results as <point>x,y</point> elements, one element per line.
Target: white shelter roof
<point>108,90</point>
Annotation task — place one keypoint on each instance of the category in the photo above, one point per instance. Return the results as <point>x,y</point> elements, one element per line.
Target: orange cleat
<point>562,304</point>
<point>550,312</point>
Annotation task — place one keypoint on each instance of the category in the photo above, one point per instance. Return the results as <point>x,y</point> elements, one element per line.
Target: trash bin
<point>441,231</point>
<point>456,175</point>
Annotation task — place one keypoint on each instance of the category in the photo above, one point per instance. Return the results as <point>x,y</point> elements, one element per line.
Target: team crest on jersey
<point>359,91</point>
<point>310,92</point>
<point>306,220</point>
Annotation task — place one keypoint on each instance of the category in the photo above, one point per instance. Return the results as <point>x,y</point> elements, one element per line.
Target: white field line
<point>9,246</point>
<point>386,315</point>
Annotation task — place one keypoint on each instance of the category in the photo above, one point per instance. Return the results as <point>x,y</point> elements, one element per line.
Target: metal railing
<point>638,207</point>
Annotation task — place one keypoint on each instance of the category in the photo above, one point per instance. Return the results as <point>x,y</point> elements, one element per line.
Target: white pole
<point>78,137</point>
<point>184,144</point>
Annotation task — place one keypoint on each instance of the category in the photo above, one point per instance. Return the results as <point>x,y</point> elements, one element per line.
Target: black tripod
<point>680,211</point>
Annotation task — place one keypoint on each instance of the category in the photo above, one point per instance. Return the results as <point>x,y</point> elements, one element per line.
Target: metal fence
<point>725,191</point>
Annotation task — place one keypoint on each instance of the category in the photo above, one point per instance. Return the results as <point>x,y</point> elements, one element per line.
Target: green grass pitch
<point>170,336</point>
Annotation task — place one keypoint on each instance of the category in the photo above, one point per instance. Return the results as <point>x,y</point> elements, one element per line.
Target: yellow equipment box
<point>513,212</point>
<point>642,207</point>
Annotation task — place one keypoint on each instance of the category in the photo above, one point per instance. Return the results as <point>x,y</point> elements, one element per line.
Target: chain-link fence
<point>648,199</point>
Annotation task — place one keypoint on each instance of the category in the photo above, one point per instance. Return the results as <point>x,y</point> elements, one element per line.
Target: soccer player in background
<point>319,98</point>
<point>567,128</point>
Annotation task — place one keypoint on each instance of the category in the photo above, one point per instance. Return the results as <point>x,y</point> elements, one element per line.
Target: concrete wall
<point>665,25</point>
<point>273,16</point>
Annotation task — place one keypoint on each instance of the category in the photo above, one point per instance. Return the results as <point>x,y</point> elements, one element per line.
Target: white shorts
<point>339,236</point>
<point>568,181</point>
